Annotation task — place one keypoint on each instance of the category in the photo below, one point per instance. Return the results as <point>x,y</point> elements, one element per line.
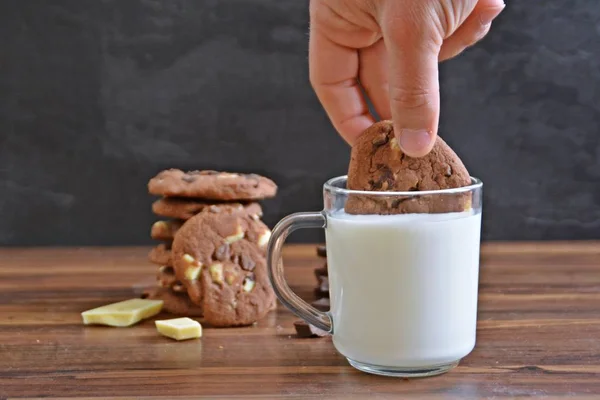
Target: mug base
<point>399,372</point>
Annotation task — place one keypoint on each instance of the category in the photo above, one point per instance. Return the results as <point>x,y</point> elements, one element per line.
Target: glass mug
<point>403,287</point>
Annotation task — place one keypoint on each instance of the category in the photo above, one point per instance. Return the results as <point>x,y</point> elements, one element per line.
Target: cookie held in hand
<point>378,164</point>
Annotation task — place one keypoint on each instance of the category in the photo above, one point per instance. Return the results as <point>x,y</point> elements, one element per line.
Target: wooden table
<point>538,334</point>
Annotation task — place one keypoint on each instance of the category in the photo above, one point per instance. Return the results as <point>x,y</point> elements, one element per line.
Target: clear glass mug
<point>403,284</point>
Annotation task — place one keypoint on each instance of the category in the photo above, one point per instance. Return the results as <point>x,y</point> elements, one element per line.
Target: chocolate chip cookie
<point>378,164</point>
<point>161,254</point>
<point>219,256</point>
<point>212,185</point>
<point>184,209</point>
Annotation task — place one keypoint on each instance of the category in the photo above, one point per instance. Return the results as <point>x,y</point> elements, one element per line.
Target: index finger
<point>334,77</point>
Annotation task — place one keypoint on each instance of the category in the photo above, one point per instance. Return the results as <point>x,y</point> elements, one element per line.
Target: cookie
<point>165,277</point>
<point>183,209</point>
<point>161,254</point>
<point>165,230</point>
<point>378,164</point>
<point>213,185</point>
<point>174,303</point>
<point>220,258</point>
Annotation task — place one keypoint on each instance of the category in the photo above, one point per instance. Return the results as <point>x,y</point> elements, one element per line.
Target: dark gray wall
<point>97,96</point>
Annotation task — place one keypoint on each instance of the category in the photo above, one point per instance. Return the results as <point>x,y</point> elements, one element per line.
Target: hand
<point>390,48</point>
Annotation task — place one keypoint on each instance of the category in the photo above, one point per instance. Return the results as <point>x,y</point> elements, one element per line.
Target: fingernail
<point>414,141</point>
<point>487,15</point>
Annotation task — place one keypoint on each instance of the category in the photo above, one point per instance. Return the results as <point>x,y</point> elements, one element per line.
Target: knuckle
<point>410,98</point>
<point>481,32</point>
<point>475,36</point>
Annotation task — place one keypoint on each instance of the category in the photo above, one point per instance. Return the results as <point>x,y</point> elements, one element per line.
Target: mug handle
<point>280,232</point>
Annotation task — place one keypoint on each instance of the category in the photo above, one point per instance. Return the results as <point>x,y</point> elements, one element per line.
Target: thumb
<point>413,46</point>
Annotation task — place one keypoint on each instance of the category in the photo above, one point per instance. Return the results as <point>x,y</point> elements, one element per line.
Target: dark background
<point>98,96</point>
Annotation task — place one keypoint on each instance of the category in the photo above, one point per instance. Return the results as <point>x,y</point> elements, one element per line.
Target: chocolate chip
<point>385,181</point>
<point>396,203</point>
<point>322,251</point>
<point>322,271</point>
<point>247,263</point>
<point>380,140</point>
<point>188,179</point>
<point>222,252</point>
<point>306,330</point>
<point>375,185</point>
<point>168,270</point>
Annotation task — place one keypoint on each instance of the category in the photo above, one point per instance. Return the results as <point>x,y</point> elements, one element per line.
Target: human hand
<point>390,48</point>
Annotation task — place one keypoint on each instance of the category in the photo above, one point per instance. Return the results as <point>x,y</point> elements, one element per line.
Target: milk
<point>404,287</point>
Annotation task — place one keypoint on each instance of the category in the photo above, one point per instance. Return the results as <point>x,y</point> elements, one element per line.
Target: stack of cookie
<point>211,263</point>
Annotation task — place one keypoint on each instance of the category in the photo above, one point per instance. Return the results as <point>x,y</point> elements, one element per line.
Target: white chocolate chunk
<point>238,235</point>
<point>192,273</point>
<point>263,239</point>
<point>123,313</point>
<point>216,272</point>
<point>179,328</point>
<point>188,259</point>
<point>248,285</point>
<point>224,175</point>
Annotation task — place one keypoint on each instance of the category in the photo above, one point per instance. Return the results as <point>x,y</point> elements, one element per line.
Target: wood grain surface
<point>538,334</point>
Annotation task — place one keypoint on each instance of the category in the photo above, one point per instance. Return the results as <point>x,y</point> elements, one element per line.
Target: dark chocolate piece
<point>322,304</point>
<point>306,330</point>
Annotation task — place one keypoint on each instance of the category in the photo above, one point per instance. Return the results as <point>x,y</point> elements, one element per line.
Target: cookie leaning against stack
<point>216,200</point>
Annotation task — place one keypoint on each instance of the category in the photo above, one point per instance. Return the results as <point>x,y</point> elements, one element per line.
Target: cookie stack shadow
<point>210,262</point>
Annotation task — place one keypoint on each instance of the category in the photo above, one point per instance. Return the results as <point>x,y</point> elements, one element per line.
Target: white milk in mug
<point>404,287</point>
